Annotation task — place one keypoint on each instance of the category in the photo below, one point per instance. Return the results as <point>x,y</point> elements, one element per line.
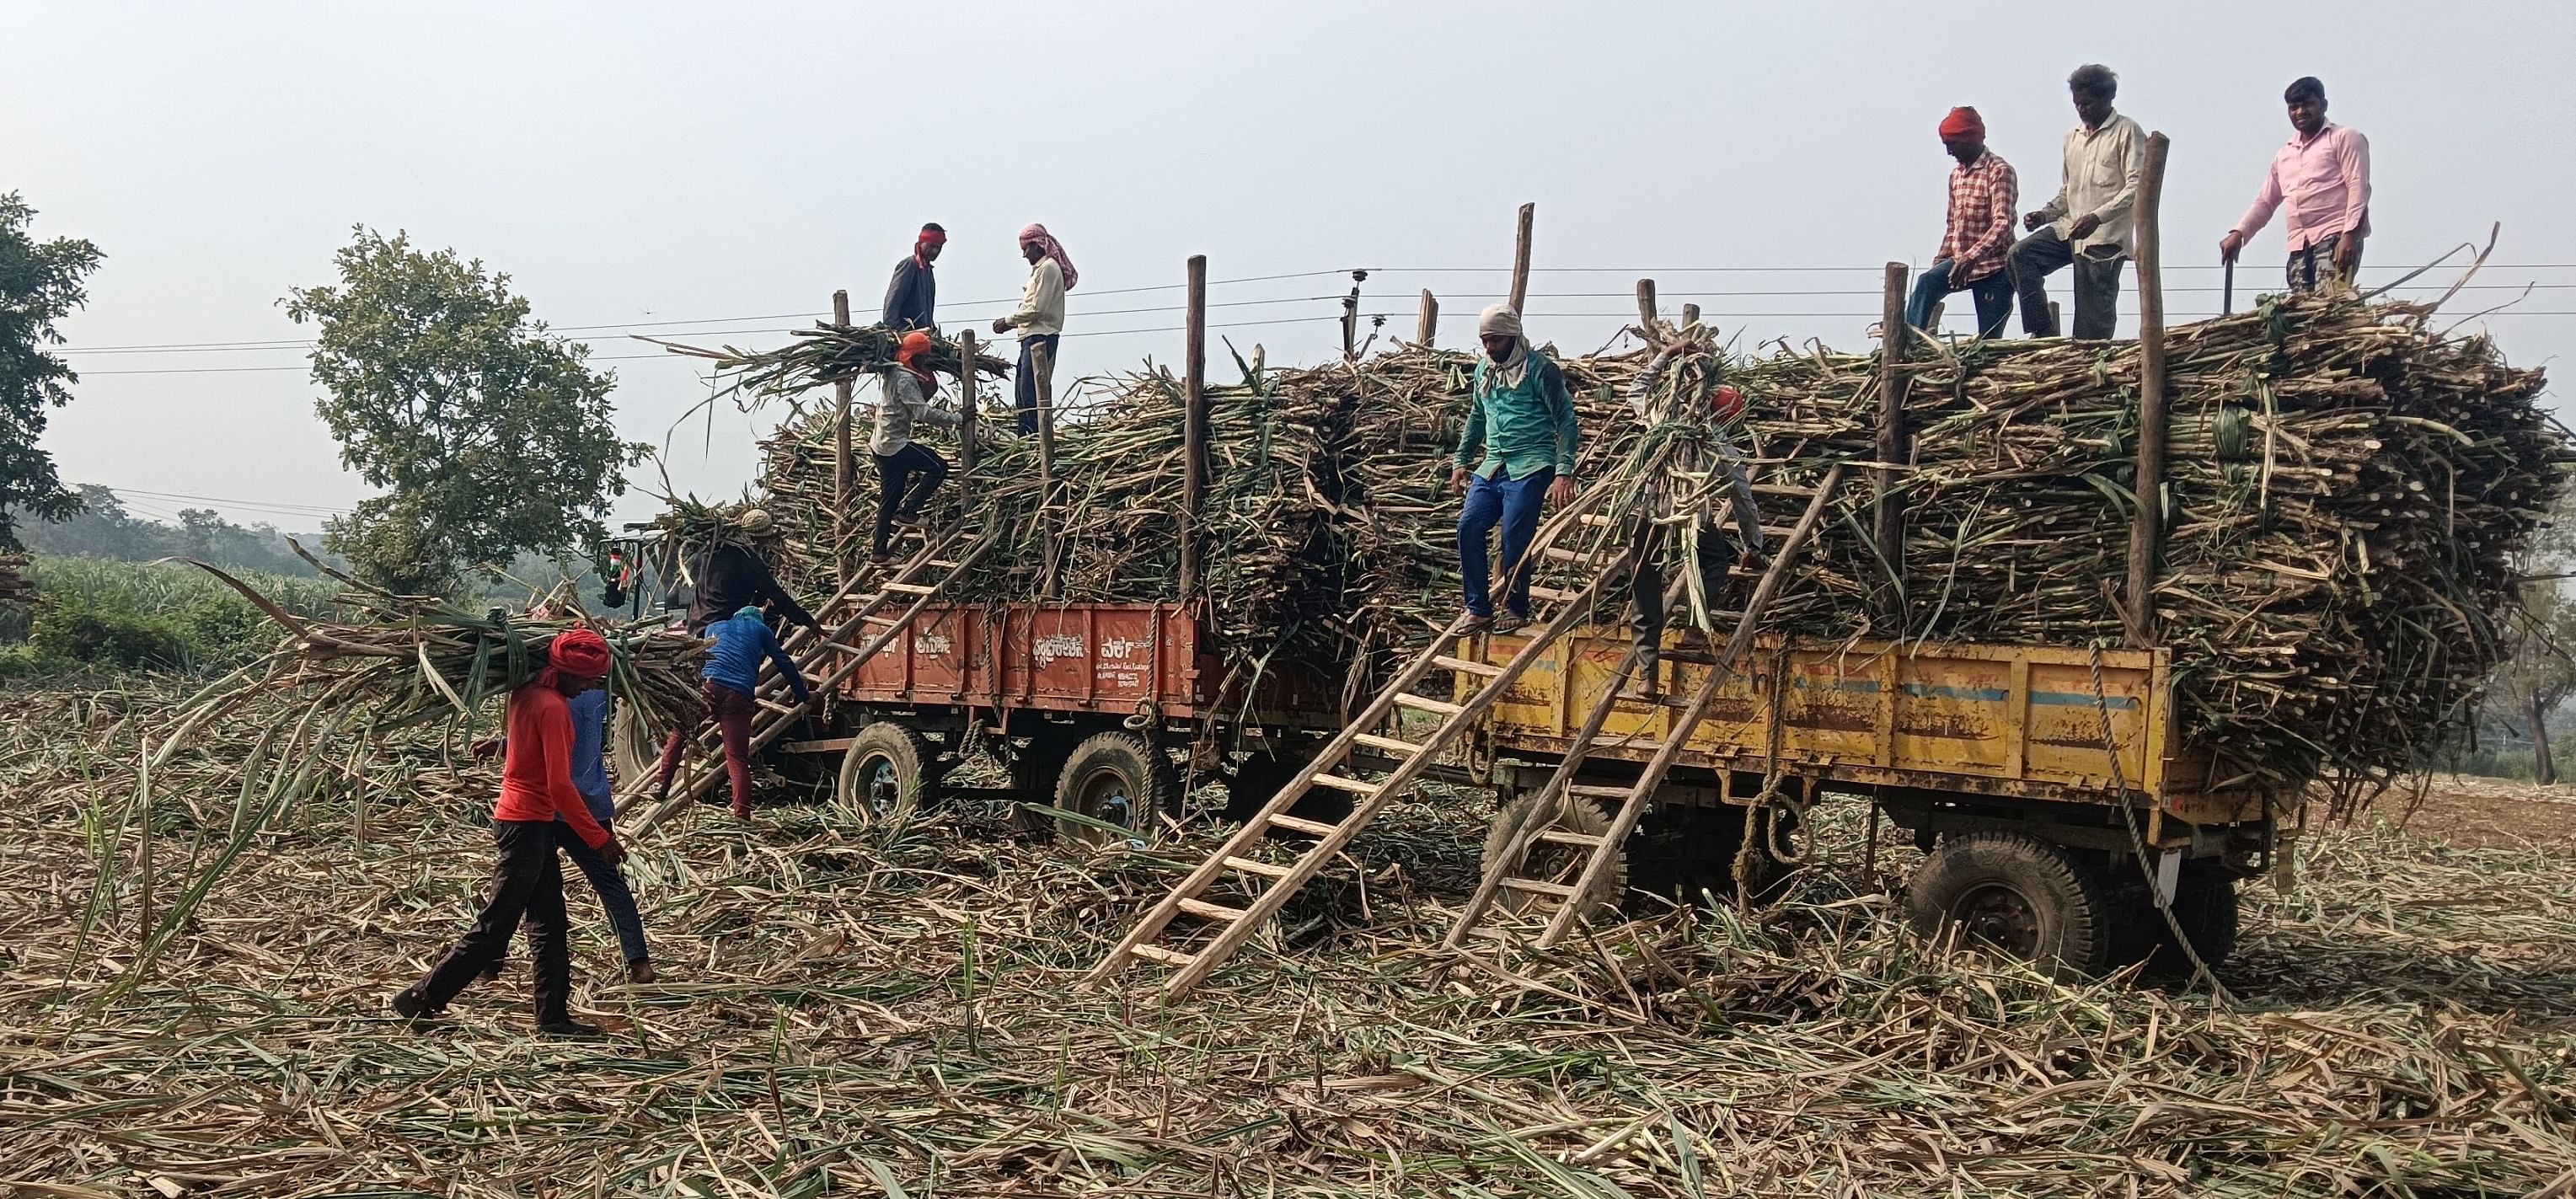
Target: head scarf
<point>931,235</point>
<point>909,354</point>
<point>574,653</point>
<point>753,522</point>
<point>1047,244</point>
<point>1498,320</point>
<point>1963,125</point>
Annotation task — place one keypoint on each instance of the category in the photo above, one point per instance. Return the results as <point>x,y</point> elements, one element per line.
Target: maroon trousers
<point>731,710</point>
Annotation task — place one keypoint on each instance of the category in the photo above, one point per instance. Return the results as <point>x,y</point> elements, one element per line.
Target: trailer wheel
<point>884,773</point>
<point>1119,779</point>
<point>1550,862</point>
<point>2015,893</point>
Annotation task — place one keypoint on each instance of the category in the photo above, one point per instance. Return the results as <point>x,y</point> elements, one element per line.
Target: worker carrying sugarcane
<point>1976,244</point>
<point>1040,316</point>
<point>591,712</point>
<point>536,790</point>
<point>2092,222</point>
<point>1713,552</point>
<point>731,574</point>
<point>907,471</point>
<point>913,293</point>
<point>2323,175</point>
<point>1520,419</point>
<point>731,683</point>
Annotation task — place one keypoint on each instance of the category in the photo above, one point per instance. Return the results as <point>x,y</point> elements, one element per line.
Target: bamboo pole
<point>1194,430</point>
<point>2146,531</point>
<point>1521,260</point>
<point>967,414</point>
<point>1891,423</point>
<point>1427,326</point>
<point>841,480</point>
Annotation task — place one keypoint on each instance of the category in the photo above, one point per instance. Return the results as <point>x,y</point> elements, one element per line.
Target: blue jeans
<point>1994,295</point>
<point>1513,503</point>
<point>614,896</point>
<point>1025,381</point>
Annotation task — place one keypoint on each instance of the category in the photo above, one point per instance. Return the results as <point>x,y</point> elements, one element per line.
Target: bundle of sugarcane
<point>824,354</point>
<point>2345,491</point>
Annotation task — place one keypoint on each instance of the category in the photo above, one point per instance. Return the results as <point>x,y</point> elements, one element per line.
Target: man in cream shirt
<point>1040,316</point>
<point>2091,224</point>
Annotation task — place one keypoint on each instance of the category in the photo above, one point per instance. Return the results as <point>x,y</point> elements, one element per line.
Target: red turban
<point>932,235</point>
<point>580,653</point>
<point>1726,401</point>
<point>1963,125</point>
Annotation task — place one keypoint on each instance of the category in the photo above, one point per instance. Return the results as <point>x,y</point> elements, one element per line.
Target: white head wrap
<point>1498,320</point>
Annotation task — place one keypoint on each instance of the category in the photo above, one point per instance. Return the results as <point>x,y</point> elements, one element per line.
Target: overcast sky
<point>717,170</point>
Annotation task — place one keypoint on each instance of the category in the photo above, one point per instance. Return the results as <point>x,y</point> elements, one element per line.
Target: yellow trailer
<point>1999,758</point>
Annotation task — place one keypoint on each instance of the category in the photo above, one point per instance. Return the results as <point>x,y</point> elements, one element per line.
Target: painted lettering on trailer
<point>1060,645</point>
<point>934,644</point>
<point>1124,647</point>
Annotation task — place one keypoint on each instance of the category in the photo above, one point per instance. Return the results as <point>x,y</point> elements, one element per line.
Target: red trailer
<point>1088,703</point>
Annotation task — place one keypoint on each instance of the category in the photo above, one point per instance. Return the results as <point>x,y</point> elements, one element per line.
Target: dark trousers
<point>1994,295</point>
<point>615,898</point>
<point>905,479</point>
<point>2313,269</point>
<point>1027,380</point>
<point>1717,555</point>
<point>1514,504</point>
<point>527,884</point>
<point>731,710</point>
<point>2097,284</point>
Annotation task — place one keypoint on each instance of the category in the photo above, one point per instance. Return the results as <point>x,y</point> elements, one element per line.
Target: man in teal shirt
<point>1521,417</point>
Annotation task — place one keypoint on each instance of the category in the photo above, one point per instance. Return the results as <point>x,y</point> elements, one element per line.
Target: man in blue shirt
<point>913,293</point>
<point>732,679</point>
<point>1520,415</point>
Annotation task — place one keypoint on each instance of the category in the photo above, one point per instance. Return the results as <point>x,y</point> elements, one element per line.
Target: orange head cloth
<point>1963,125</point>
<point>580,653</point>
<point>915,344</point>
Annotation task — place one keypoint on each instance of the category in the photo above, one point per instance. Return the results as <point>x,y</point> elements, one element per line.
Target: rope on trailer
<point>2200,971</point>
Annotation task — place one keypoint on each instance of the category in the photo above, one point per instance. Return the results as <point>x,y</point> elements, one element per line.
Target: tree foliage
<point>491,435</point>
<point>40,283</point>
<point>2540,672</point>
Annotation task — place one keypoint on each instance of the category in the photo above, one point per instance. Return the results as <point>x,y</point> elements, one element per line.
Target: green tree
<point>2539,673</point>
<point>40,283</point>
<point>491,435</point>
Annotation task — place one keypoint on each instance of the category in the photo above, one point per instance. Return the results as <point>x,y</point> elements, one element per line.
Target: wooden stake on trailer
<point>1194,422</point>
<point>841,474</point>
<point>2146,530</point>
<point>1891,424</point>
<point>966,411</point>
<point>1050,513</point>
<point>1690,315</point>
<point>1521,259</point>
<point>1646,306</point>
<point>1427,325</point>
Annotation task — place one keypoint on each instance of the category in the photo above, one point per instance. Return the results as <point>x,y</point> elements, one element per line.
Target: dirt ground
<point>2488,813</point>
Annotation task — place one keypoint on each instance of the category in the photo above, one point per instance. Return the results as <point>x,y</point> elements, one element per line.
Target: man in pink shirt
<point>2323,176</point>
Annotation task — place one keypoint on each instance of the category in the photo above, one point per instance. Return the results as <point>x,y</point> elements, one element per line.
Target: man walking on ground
<point>912,295</point>
<point>536,790</point>
<point>732,680</point>
<point>1521,418</point>
<point>1976,247</point>
<point>2091,222</point>
<point>731,574</point>
<point>590,714</point>
<point>1040,318</point>
<point>2323,174</point>
<point>907,471</point>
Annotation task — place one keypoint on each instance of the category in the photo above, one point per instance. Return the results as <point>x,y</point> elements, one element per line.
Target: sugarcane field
<point>1175,713</point>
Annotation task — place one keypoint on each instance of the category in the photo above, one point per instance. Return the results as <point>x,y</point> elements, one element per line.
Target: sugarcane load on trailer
<point>1910,579</point>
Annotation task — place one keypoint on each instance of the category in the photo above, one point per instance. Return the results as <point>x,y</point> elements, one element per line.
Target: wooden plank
<point>1389,744</point>
<point>1169,957</point>
<point>1425,703</point>
<point>1250,866</point>
<point>1467,666</point>
<point>1535,887</point>
<point>1210,911</point>
<point>1299,824</point>
<point>1346,783</point>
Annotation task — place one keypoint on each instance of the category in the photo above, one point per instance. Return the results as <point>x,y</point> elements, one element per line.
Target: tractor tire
<point>1549,862</point>
<point>885,774</point>
<point>2015,893</point>
<point>1118,779</point>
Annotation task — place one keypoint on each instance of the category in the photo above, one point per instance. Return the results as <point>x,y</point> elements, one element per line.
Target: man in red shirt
<point>1976,248</point>
<point>536,790</point>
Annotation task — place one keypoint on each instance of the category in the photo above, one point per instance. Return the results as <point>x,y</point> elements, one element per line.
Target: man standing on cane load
<point>1976,247</point>
<point>2324,177</point>
<point>911,297</point>
<point>1521,418</point>
<point>1040,317</point>
<point>536,790</point>
<point>2091,224</point>
<point>907,471</point>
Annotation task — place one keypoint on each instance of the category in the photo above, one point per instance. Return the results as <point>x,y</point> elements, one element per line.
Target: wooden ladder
<point>828,657</point>
<point>1562,608</point>
<point>1537,819</point>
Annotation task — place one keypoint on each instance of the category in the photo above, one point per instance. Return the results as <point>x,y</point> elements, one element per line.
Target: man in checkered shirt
<point>1976,250</point>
